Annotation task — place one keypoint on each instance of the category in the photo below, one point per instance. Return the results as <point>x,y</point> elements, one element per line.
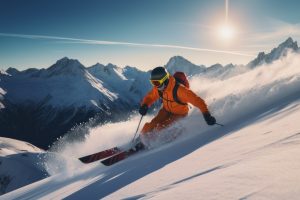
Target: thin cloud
<point>280,31</point>
<point>102,42</point>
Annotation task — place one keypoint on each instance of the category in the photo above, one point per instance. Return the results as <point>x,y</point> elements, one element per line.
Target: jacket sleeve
<point>188,96</point>
<point>151,97</point>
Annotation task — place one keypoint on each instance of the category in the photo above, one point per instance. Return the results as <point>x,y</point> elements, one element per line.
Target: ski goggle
<point>158,83</point>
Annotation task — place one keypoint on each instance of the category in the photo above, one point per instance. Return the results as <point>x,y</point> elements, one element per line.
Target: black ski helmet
<point>158,73</point>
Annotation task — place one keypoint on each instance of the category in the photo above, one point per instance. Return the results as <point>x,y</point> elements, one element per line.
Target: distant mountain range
<point>40,105</point>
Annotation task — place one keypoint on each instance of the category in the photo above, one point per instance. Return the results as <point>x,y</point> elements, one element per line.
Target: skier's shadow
<point>137,167</point>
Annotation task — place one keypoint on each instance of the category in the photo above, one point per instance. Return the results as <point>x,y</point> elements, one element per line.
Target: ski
<point>115,154</point>
<point>123,155</point>
<point>100,155</point>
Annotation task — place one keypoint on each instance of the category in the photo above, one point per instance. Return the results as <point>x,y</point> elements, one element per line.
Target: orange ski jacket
<point>184,95</point>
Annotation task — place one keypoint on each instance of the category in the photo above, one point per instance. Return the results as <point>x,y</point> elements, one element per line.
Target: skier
<point>175,94</point>
<point>175,101</point>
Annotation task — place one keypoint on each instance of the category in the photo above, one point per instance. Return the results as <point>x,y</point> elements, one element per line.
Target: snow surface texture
<point>253,157</point>
<point>20,164</point>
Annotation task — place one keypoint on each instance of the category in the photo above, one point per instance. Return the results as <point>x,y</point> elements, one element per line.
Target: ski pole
<point>137,129</point>
<point>220,124</point>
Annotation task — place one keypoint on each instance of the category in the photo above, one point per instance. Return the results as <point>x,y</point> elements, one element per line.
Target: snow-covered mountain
<point>12,71</point>
<point>178,63</point>
<point>121,81</point>
<point>20,164</point>
<point>68,93</point>
<point>254,156</point>
<point>275,54</point>
<point>65,94</point>
<point>60,84</point>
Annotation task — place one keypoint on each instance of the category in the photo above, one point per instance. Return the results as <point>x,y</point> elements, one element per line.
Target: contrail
<point>102,42</point>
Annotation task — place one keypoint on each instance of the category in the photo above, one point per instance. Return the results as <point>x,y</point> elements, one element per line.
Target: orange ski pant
<point>162,120</point>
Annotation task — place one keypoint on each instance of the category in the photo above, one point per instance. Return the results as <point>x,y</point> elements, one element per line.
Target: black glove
<point>210,120</point>
<point>143,109</point>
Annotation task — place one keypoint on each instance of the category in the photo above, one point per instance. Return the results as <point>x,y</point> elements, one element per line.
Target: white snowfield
<point>254,156</point>
<point>19,164</point>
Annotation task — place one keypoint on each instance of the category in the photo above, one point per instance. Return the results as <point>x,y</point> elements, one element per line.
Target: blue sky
<point>141,33</point>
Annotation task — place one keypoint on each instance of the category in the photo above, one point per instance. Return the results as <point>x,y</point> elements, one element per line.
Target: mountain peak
<point>289,43</point>
<point>12,71</point>
<point>95,66</point>
<point>64,59</point>
<point>67,61</point>
<point>179,63</point>
<point>103,67</point>
<point>275,54</point>
<point>110,65</point>
<point>66,66</point>
<point>177,60</point>
<point>288,40</point>
<point>105,72</point>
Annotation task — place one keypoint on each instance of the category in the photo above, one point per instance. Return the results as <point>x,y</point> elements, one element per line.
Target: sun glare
<point>226,32</point>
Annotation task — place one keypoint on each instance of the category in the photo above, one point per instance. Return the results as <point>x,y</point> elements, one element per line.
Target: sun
<point>226,32</point>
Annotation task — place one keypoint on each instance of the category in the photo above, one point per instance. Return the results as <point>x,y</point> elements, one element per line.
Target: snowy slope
<point>20,164</point>
<point>258,161</point>
<point>255,156</point>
